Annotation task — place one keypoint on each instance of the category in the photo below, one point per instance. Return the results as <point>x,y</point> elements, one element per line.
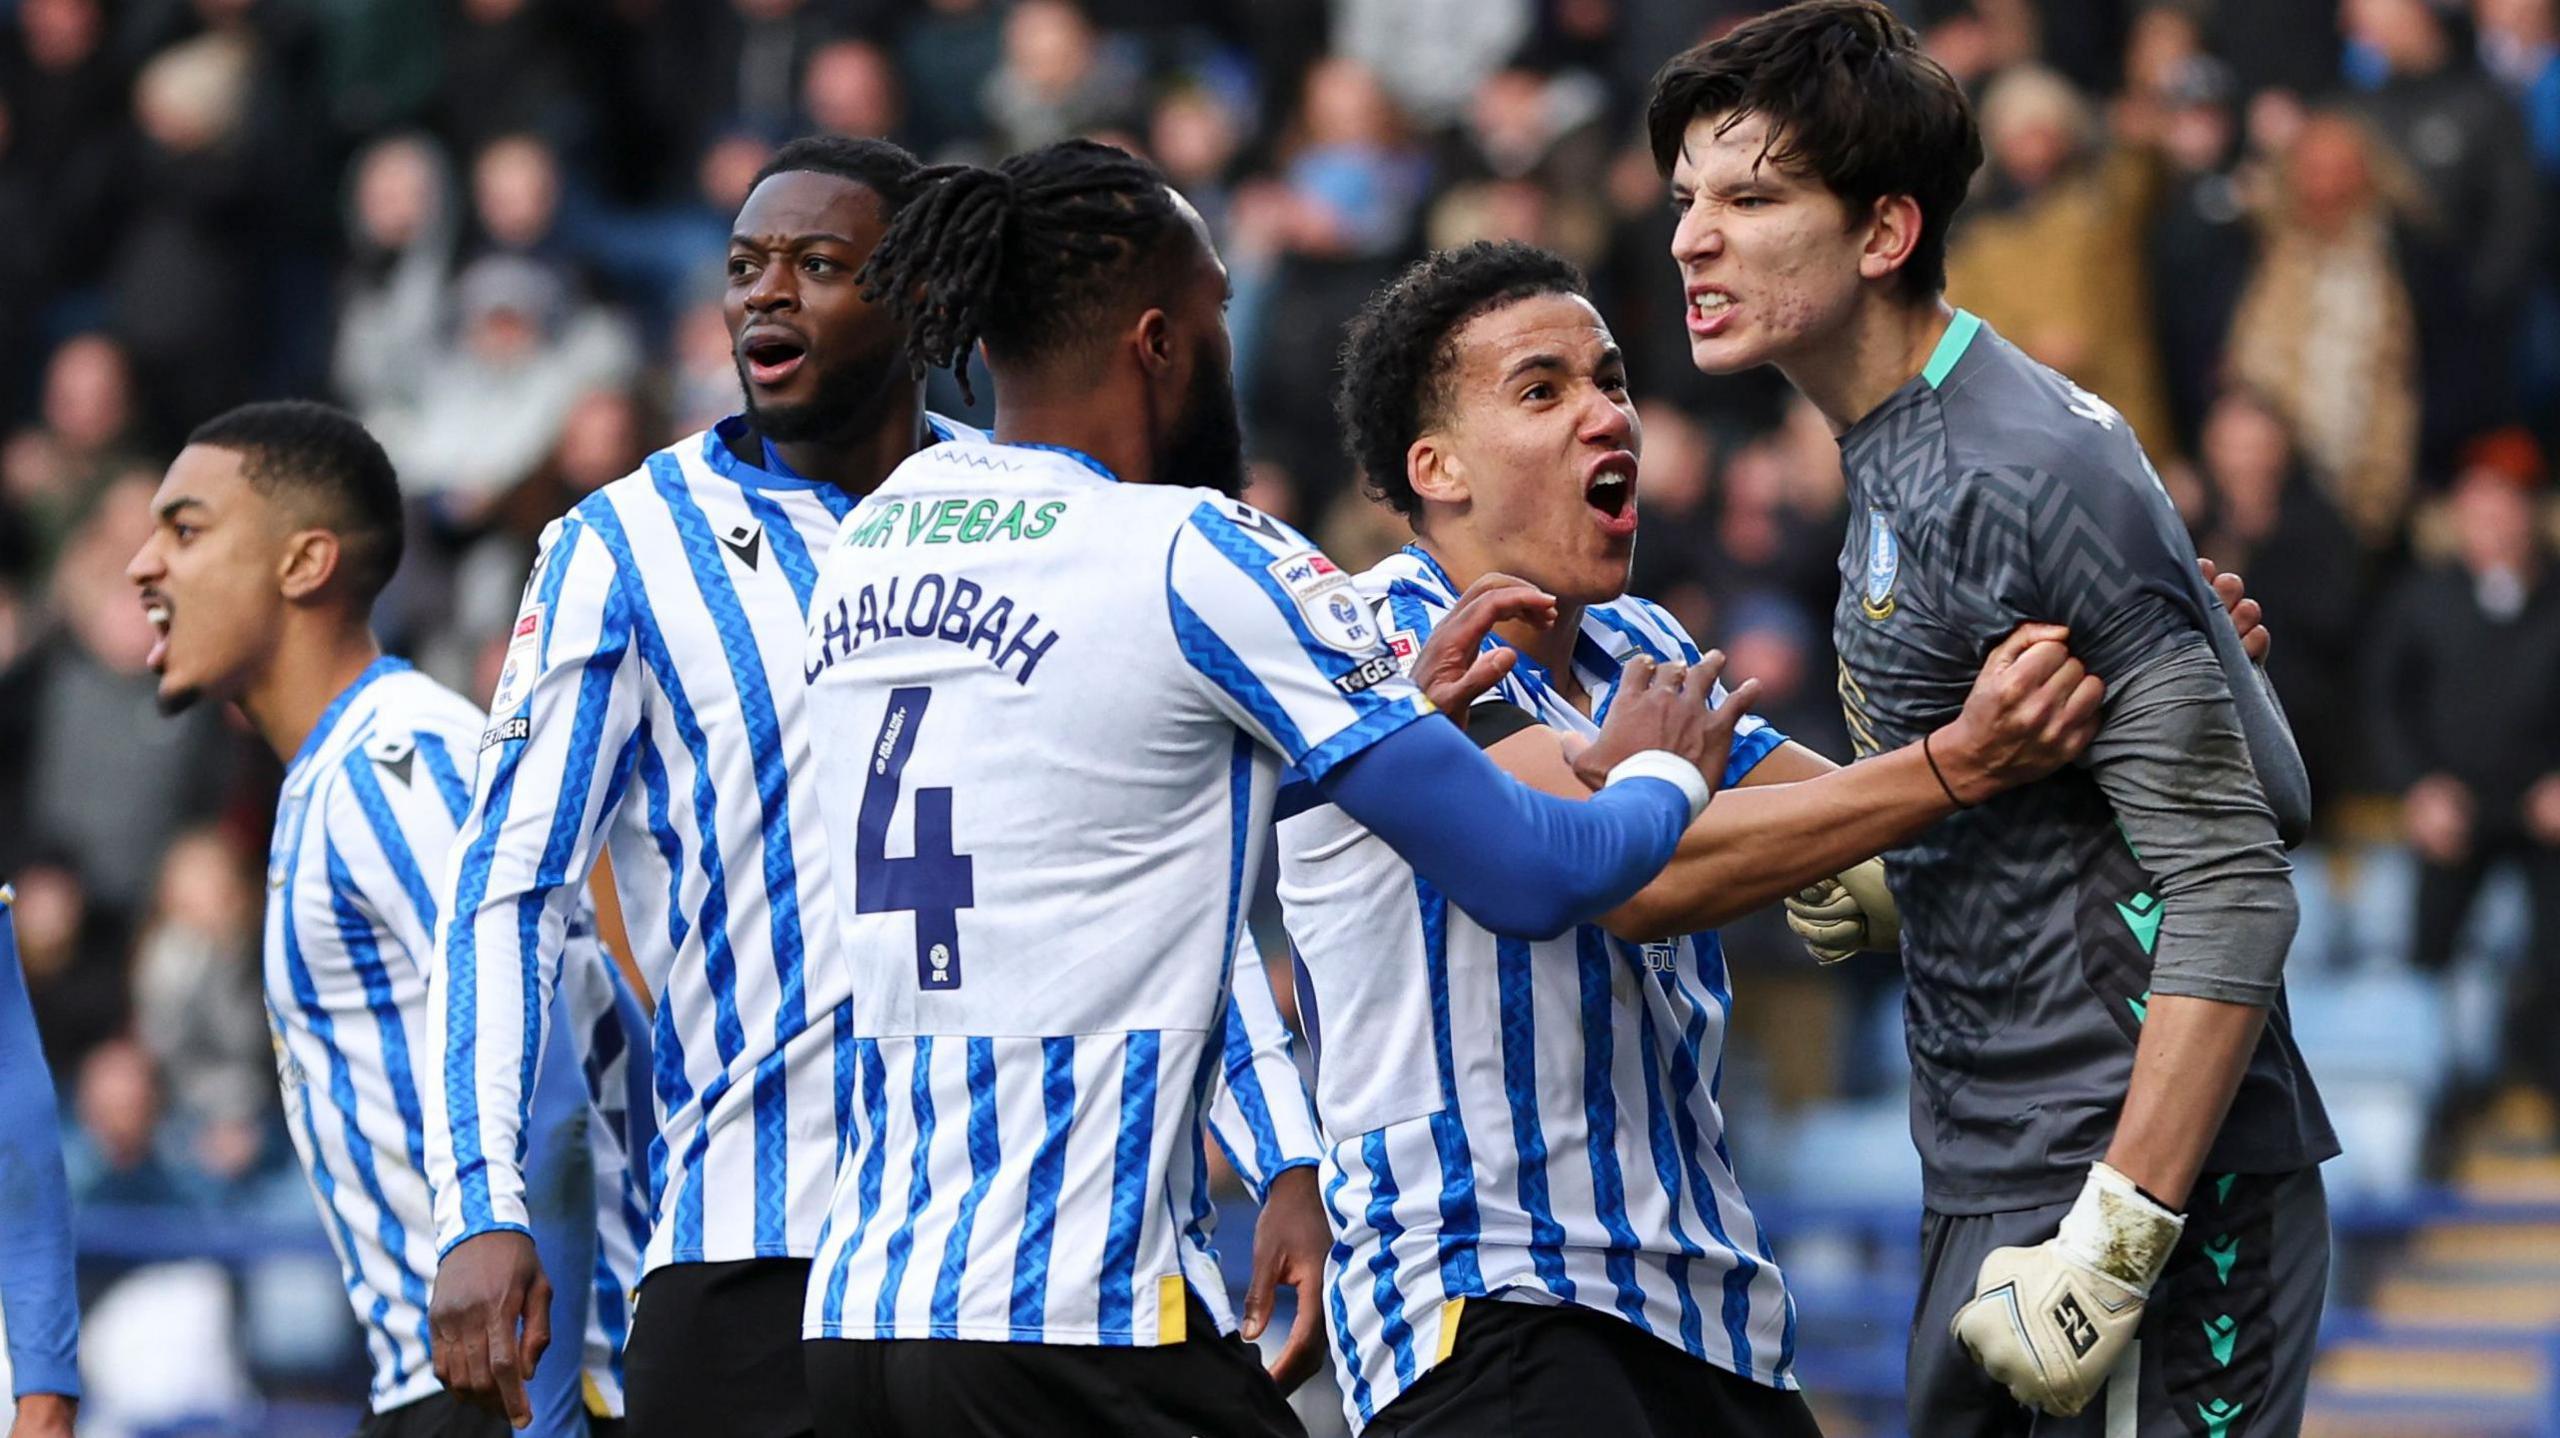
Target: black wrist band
<point>1940,773</point>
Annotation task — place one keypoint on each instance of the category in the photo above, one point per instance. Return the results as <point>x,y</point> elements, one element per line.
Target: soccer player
<point>276,527</point>
<point>36,1276</point>
<point>2119,1140</point>
<point>651,705</point>
<point>1055,677</point>
<point>1557,1144</point>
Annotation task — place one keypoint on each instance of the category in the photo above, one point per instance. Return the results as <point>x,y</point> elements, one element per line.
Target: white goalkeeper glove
<point>1842,916</point>
<point>2049,1322</point>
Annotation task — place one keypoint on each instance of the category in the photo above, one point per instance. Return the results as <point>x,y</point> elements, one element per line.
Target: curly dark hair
<point>1398,351</point>
<point>880,166</point>
<point>1850,98</point>
<point>1026,256</point>
<point>319,460</point>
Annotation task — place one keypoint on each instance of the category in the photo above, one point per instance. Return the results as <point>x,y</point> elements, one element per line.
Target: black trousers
<point>445,1416</point>
<point>2226,1343</point>
<point>1525,1370</point>
<point>1207,1387</point>
<point>2446,893</point>
<point>715,1350</point>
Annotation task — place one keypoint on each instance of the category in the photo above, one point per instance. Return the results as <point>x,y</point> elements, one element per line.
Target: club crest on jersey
<point>1325,597</point>
<point>1884,564</point>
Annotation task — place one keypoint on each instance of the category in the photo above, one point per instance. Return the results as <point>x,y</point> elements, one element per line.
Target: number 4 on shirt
<point>934,884</point>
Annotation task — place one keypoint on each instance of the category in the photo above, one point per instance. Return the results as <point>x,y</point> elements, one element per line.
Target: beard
<point>848,403</point>
<point>1207,444</point>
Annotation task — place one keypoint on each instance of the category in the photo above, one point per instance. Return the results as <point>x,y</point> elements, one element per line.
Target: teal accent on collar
<point>1951,347</point>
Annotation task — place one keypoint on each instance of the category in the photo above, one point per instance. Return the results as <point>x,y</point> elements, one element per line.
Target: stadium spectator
<point>2200,244</point>
<point>850,88</point>
<point>2327,329</point>
<point>398,276</point>
<point>73,955</point>
<point>87,769</point>
<point>2458,132</point>
<point>50,473</point>
<point>2272,525</point>
<point>2050,252</point>
<point>2466,718</point>
<point>1058,79</point>
<point>196,1003</point>
<point>506,71</point>
<point>116,1154</point>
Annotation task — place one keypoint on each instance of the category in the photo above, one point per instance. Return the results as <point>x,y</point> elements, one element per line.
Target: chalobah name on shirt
<point>950,609</point>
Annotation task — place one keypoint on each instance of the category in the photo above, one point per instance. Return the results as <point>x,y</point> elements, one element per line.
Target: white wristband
<point>1671,769</point>
<point>2115,1229</point>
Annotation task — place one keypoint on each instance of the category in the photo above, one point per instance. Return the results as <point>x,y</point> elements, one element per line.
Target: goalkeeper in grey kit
<point>2125,1227</point>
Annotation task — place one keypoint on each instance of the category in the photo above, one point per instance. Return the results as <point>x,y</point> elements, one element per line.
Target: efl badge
<point>1884,562</point>
<point>1324,594</point>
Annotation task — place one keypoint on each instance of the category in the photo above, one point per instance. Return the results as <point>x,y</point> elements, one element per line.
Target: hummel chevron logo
<point>747,542</point>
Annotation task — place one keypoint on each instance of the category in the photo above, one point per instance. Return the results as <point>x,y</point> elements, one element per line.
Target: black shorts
<point>1208,1387</point>
<point>2226,1343</point>
<point>715,1349</point>
<point>1524,1370</point>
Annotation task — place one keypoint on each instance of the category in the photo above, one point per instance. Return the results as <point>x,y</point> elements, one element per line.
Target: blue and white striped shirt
<point>1051,712</point>
<point>368,812</point>
<point>652,704</point>
<point>1504,1118</point>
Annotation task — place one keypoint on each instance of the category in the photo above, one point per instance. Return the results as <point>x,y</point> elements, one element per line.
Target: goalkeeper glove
<point>1839,917</point>
<point>2049,1322</point>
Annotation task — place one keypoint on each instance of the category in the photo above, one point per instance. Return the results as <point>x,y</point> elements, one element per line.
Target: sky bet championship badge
<point>1884,561</point>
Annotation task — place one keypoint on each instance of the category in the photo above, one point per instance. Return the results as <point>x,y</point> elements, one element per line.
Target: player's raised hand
<point>490,1318</point>
<point>1290,1241</point>
<point>2246,617</point>
<point>2032,710</point>
<point>1454,668</point>
<point>1666,707</point>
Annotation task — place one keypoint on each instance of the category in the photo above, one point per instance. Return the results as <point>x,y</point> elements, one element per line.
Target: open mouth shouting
<point>1609,487</point>
<point>1711,308</point>
<point>771,354</point>
<point>156,609</point>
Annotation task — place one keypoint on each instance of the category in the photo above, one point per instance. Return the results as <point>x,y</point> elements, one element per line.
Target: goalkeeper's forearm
<point>2172,761</point>
<point>2185,1070</point>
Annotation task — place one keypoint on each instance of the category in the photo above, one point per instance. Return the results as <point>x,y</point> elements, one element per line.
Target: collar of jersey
<point>1591,652</point>
<point>1079,456</point>
<point>1951,349</point>
<point>380,668</point>
<point>776,472</point>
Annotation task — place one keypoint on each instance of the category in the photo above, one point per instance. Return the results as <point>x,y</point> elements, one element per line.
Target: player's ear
<point>310,561</point>
<point>1893,231</point>
<point>1153,337</point>
<point>1435,471</point>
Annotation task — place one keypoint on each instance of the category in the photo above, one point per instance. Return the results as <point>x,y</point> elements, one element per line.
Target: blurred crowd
<point>2310,248</point>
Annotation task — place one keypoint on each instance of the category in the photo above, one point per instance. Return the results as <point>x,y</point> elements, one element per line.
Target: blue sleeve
<point>36,1287</point>
<point>560,1202</point>
<point>1517,861</point>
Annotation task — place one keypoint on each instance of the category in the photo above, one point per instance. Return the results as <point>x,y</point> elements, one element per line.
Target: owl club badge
<point>1884,563</point>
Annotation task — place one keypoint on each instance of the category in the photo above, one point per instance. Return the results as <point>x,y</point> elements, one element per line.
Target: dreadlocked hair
<point>1023,257</point>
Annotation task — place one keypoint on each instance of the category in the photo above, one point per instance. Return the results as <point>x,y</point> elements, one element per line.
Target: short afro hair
<point>883,168</point>
<point>319,460</point>
<point>1399,350</point>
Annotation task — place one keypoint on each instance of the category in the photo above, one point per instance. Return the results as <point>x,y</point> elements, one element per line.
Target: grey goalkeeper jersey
<point>1987,492</point>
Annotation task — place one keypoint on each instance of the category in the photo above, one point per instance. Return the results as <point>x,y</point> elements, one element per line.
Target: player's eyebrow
<point>787,242</point>
<point>1538,361</point>
<point>180,505</point>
